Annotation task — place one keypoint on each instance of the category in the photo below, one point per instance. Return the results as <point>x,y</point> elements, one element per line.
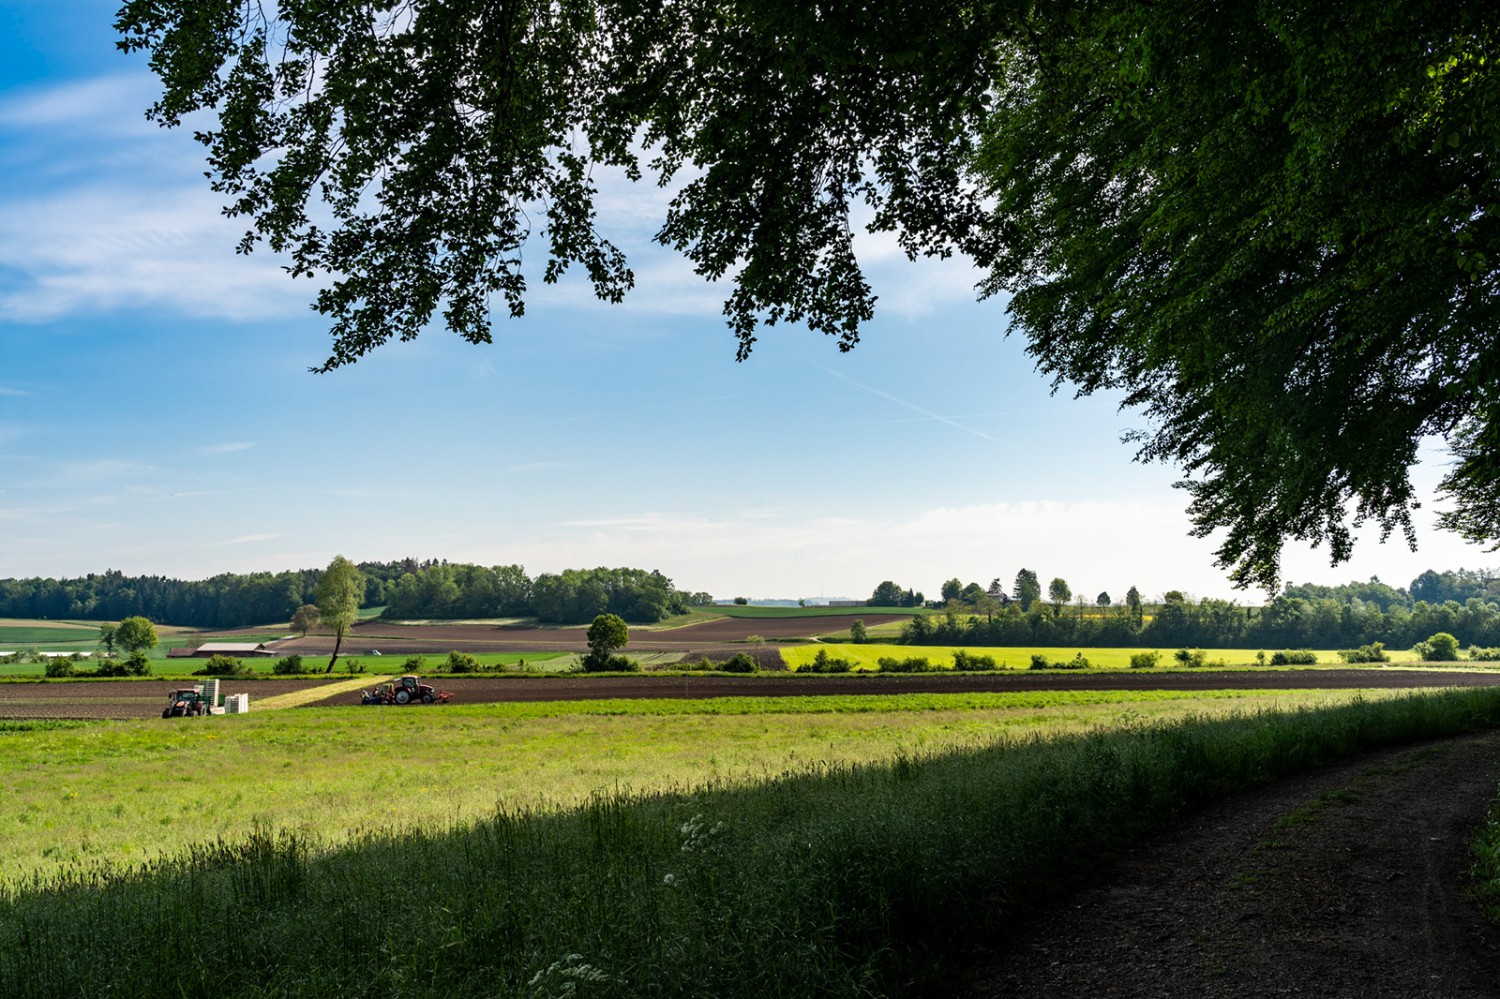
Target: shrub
<point>1478,655</point>
<point>222,666</point>
<point>353,666</point>
<point>1039,661</point>
<point>288,666</point>
<point>107,667</point>
<point>1294,657</point>
<point>1372,653</point>
<point>911,664</point>
<point>968,662</point>
<point>461,662</point>
<point>138,664</point>
<point>857,632</point>
<point>1190,657</point>
<point>755,639</point>
<point>824,663</point>
<point>1145,660</point>
<point>414,664</point>
<point>740,601</point>
<point>1440,648</point>
<point>740,662</point>
<point>59,666</point>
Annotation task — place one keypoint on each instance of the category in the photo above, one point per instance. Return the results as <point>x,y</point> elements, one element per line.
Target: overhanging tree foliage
<point>1271,227</point>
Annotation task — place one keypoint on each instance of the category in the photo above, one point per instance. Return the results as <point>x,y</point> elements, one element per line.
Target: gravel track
<point>1345,881</point>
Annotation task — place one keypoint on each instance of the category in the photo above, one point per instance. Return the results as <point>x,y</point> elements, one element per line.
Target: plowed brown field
<point>492,689</point>
<point>83,699</point>
<point>418,639</point>
<point>144,699</point>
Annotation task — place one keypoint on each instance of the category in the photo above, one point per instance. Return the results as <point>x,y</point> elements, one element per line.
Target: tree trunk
<point>337,642</point>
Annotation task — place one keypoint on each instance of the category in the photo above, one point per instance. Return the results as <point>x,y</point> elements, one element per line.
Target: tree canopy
<point>136,634</point>
<point>340,589</point>
<point>1272,228</point>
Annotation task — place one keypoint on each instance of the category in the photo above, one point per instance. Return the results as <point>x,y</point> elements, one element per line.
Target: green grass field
<point>867,656</point>
<point>778,851</point>
<point>121,792</point>
<point>22,637</point>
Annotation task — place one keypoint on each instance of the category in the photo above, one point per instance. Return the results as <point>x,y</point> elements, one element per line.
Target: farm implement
<point>407,690</point>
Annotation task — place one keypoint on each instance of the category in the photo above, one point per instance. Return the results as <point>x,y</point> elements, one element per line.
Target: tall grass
<point>851,881</point>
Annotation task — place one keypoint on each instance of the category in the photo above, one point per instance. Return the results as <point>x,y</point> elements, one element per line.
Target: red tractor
<point>185,703</point>
<point>407,690</point>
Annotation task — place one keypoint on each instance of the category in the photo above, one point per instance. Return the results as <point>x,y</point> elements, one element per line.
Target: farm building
<point>231,649</point>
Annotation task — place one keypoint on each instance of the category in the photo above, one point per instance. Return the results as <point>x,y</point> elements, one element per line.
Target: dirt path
<point>1348,881</point>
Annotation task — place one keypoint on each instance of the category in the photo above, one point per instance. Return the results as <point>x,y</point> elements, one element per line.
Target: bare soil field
<point>418,639</point>
<point>83,699</point>
<point>144,699</point>
<point>493,689</point>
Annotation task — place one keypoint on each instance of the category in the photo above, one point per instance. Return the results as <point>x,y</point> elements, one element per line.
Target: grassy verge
<point>1486,870</point>
<point>844,880</point>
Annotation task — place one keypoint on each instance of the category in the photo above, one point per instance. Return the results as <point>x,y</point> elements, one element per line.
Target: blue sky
<point>157,414</point>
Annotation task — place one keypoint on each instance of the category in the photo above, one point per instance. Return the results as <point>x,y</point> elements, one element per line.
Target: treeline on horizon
<point>407,588</point>
<point>1463,603</point>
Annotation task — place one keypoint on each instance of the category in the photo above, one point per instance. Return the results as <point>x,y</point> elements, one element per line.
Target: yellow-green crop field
<point>866,657</point>
<point>121,794</point>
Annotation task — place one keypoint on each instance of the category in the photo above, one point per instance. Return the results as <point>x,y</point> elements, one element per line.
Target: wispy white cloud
<point>13,393</point>
<point>539,466</point>
<point>226,448</point>
<point>115,102</point>
<point>244,539</point>
<point>104,248</point>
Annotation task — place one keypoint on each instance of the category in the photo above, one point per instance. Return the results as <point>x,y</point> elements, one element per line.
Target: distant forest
<point>1463,603</point>
<point>407,588</point>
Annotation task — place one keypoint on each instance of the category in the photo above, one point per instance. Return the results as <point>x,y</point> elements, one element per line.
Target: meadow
<point>856,859</point>
<point>867,656</point>
<point>120,793</point>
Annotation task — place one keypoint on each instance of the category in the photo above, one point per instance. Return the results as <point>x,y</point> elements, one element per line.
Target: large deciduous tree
<point>136,634</point>
<point>1272,228</point>
<point>607,633</point>
<point>340,589</point>
<point>305,617</point>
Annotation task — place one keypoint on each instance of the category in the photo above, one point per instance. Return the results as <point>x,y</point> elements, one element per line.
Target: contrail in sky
<point>915,408</point>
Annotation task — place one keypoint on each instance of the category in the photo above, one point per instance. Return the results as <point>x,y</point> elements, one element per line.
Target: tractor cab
<point>185,702</point>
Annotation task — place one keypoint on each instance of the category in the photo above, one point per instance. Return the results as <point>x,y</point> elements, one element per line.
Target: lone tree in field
<point>108,637</point>
<point>306,617</point>
<point>606,634</point>
<point>136,634</point>
<point>340,589</point>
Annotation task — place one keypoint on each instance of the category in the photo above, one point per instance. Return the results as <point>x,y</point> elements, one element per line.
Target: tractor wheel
<point>428,698</point>
<point>166,713</point>
<point>403,696</point>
